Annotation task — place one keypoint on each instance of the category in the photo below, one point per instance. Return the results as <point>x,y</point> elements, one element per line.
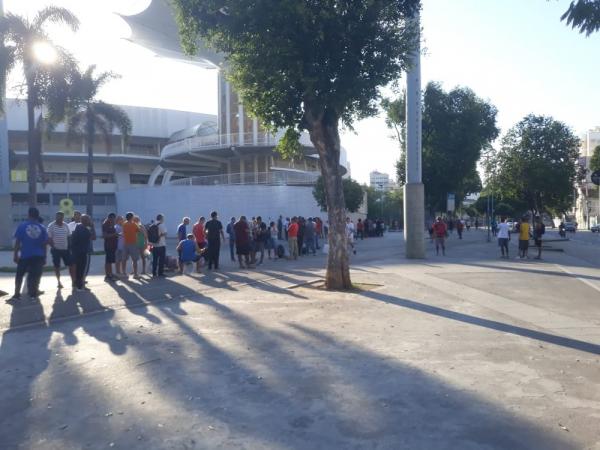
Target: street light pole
<point>414,190</point>
<point>6,224</point>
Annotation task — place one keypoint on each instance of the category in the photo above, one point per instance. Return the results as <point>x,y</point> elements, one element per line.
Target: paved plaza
<point>466,351</point>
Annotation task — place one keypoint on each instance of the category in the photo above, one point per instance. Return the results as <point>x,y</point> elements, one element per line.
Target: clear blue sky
<point>516,53</point>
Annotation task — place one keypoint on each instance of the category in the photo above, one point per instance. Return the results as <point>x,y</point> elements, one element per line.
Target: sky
<point>517,54</point>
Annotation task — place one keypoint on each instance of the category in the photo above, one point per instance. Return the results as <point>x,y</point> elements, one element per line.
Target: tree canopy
<point>583,15</point>
<point>595,160</point>
<point>353,194</point>
<point>536,164</point>
<point>308,65</point>
<point>457,125</point>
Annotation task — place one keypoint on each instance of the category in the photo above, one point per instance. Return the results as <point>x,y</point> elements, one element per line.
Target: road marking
<point>583,280</point>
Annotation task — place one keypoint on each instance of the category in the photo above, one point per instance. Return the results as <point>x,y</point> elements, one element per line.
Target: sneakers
<point>60,286</point>
<point>14,298</point>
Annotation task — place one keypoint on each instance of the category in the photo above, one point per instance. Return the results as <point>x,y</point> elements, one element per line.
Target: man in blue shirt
<point>31,240</point>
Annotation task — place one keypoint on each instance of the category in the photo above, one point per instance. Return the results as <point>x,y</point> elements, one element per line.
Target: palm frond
<point>584,15</point>
<point>74,126</point>
<point>105,127</point>
<point>15,28</point>
<point>7,62</point>
<point>55,14</point>
<point>117,116</point>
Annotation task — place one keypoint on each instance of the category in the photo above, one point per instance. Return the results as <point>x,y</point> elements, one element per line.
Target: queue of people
<point>132,248</point>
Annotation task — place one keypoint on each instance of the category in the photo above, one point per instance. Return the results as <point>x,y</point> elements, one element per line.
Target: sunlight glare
<point>44,52</point>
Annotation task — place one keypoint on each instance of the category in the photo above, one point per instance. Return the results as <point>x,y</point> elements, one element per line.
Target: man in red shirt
<point>439,232</point>
<point>293,238</point>
<point>200,235</point>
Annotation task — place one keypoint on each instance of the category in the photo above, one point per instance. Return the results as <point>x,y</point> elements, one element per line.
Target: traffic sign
<point>596,178</point>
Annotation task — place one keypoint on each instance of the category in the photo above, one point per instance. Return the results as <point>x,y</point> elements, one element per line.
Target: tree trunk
<point>323,129</point>
<point>32,158</point>
<point>89,143</point>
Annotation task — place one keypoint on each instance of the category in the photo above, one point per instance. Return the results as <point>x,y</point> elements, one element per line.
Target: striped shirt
<point>59,235</point>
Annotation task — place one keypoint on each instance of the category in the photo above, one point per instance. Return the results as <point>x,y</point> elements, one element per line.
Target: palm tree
<point>88,116</point>
<point>21,41</point>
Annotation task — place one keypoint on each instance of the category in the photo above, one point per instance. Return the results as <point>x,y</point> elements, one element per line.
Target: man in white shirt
<point>350,234</point>
<point>159,250</point>
<point>503,237</point>
<point>58,238</point>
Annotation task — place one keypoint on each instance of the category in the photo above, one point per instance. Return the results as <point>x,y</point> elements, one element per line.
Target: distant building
<point>587,199</point>
<point>380,181</point>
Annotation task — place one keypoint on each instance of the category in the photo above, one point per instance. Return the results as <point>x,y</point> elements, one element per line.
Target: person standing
<point>182,236</point>
<point>261,239</point>
<point>214,234</point>
<point>460,226</point>
<point>300,236</point>
<point>200,235</point>
<point>503,237</point>
<point>280,228</point>
<point>58,239</point>
<point>524,231</point>
<point>242,241</point>
<point>109,233</point>
<point>80,247</point>
<point>29,254</point>
<point>309,236</point>
<point>120,247</point>
<point>350,234</point>
<point>274,233</point>
<point>231,236</point>
<point>292,233</point>
<point>439,232</point>
<point>538,231</point>
<point>318,231</point>
<point>158,239</point>
<point>286,225</point>
<point>131,250</point>
<point>360,229</point>
<point>141,241</point>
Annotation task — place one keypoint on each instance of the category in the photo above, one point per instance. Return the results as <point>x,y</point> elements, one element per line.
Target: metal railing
<point>213,140</point>
<point>276,178</point>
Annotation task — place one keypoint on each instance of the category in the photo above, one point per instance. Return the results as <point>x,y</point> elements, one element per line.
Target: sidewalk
<point>466,351</point>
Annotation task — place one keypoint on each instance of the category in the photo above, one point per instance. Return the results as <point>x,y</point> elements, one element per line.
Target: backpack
<point>153,236</point>
<point>280,251</point>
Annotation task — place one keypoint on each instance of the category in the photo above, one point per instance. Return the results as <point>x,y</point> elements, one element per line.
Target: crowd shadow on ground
<point>275,385</point>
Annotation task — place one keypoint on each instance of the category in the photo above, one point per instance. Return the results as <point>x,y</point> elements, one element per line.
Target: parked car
<point>595,228</point>
<point>570,226</point>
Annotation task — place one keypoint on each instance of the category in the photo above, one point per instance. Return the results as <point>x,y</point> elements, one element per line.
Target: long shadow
<point>292,387</point>
<point>534,271</point>
<point>486,323</point>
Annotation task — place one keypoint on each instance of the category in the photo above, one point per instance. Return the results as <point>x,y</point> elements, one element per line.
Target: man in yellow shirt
<point>524,231</point>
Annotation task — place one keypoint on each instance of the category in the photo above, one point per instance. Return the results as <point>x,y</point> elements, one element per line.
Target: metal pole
<point>414,191</point>
<point>487,213</point>
<point>6,223</point>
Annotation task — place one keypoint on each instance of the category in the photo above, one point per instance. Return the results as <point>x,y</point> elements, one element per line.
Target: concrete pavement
<point>465,351</point>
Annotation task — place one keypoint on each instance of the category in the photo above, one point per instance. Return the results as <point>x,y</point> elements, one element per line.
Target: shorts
<point>523,245</point>
<point>440,240</point>
<point>538,242</point>
<point>120,255</point>
<point>110,255</point>
<point>131,250</point>
<point>196,258</point>
<point>243,249</point>
<point>57,255</point>
<point>503,242</point>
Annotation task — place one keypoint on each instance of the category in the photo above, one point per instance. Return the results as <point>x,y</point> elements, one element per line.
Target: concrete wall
<point>176,202</point>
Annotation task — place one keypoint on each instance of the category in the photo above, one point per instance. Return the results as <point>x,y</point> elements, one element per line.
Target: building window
<point>18,176</point>
<point>138,178</point>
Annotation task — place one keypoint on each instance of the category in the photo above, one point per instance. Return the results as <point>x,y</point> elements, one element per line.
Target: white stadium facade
<point>176,163</point>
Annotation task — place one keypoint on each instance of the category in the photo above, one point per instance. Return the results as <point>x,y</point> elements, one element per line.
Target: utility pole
<point>6,224</point>
<point>414,190</point>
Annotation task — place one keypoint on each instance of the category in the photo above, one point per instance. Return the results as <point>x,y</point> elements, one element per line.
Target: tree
<point>537,164</point>
<point>595,159</point>
<point>457,125</point>
<point>584,15</point>
<point>87,116</point>
<point>385,205</point>
<point>353,194</point>
<point>23,41</point>
<point>309,65</point>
